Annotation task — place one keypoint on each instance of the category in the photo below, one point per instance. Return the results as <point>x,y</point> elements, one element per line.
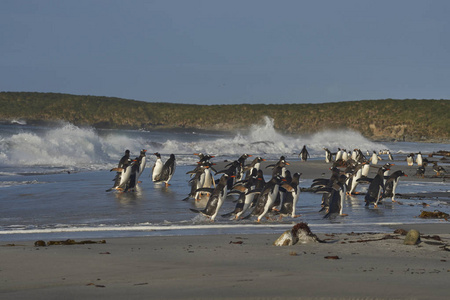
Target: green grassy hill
<point>413,120</point>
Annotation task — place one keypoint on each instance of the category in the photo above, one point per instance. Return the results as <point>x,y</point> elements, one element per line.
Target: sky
<point>227,52</point>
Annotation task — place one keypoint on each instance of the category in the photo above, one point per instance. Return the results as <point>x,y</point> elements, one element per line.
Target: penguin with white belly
<point>218,195</point>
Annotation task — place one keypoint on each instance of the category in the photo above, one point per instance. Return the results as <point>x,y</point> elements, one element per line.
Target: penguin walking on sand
<point>168,169</point>
<point>157,167</point>
<point>304,154</point>
<point>410,159</point>
<point>375,158</point>
<point>215,201</point>
<point>419,159</point>
<point>338,154</point>
<point>391,184</point>
<point>328,155</point>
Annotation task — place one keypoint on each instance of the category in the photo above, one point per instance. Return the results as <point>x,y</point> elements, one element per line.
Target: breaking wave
<point>72,147</point>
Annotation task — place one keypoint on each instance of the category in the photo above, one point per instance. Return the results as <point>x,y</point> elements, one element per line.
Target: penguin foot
<point>296,216</point>
<point>343,215</point>
<point>167,184</point>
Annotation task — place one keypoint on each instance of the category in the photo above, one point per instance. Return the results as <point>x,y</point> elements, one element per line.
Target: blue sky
<point>233,51</point>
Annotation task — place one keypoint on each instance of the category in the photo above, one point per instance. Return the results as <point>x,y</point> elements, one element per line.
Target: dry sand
<point>347,266</point>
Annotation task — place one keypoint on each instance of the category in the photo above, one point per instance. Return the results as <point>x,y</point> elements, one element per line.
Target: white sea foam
<point>69,146</point>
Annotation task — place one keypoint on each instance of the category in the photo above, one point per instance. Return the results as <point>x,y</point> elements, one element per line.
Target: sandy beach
<point>346,266</point>
<point>231,266</point>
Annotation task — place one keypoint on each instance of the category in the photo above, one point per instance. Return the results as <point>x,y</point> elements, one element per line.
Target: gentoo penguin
<point>167,171</point>
<point>215,201</point>
<point>357,174</point>
<point>280,167</point>
<point>374,158</point>
<point>438,169</point>
<point>337,195</point>
<point>125,160</point>
<point>354,155</point>
<point>241,166</point>
<point>267,197</point>
<point>291,197</point>
<point>245,199</point>
<point>204,157</point>
<point>338,154</point>
<point>419,159</point>
<point>376,188</point>
<point>203,178</point>
<point>391,184</point>
<point>142,163</point>
<point>328,155</point>
<point>255,165</point>
<point>321,185</point>
<point>390,155</point>
<point>344,155</point>
<point>122,176</point>
<point>410,159</point>
<point>157,167</point>
<point>420,171</point>
<point>304,154</point>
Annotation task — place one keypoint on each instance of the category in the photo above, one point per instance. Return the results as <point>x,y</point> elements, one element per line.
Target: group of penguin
<point>256,197</point>
<point>356,171</point>
<point>129,170</point>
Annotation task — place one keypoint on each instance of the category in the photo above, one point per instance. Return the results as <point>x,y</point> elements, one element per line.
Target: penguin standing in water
<point>167,171</point>
<point>304,154</point>
<point>357,174</point>
<point>390,155</point>
<point>255,165</point>
<point>122,176</point>
<point>322,184</point>
<point>215,201</point>
<point>142,163</point>
<point>391,184</point>
<point>267,197</point>
<point>280,167</point>
<point>291,197</point>
<point>157,167</point>
<point>376,188</point>
<point>337,195</point>
<point>245,198</point>
<point>420,172</point>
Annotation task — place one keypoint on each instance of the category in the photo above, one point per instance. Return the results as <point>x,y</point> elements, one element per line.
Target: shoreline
<point>233,266</point>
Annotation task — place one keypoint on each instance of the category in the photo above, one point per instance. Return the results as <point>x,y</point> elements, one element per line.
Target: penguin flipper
<point>195,210</point>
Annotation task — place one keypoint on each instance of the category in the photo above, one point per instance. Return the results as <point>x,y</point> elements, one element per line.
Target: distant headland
<point>385,119</point>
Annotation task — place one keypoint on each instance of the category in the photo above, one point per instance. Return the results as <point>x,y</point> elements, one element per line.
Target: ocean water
<point>53,182</point>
